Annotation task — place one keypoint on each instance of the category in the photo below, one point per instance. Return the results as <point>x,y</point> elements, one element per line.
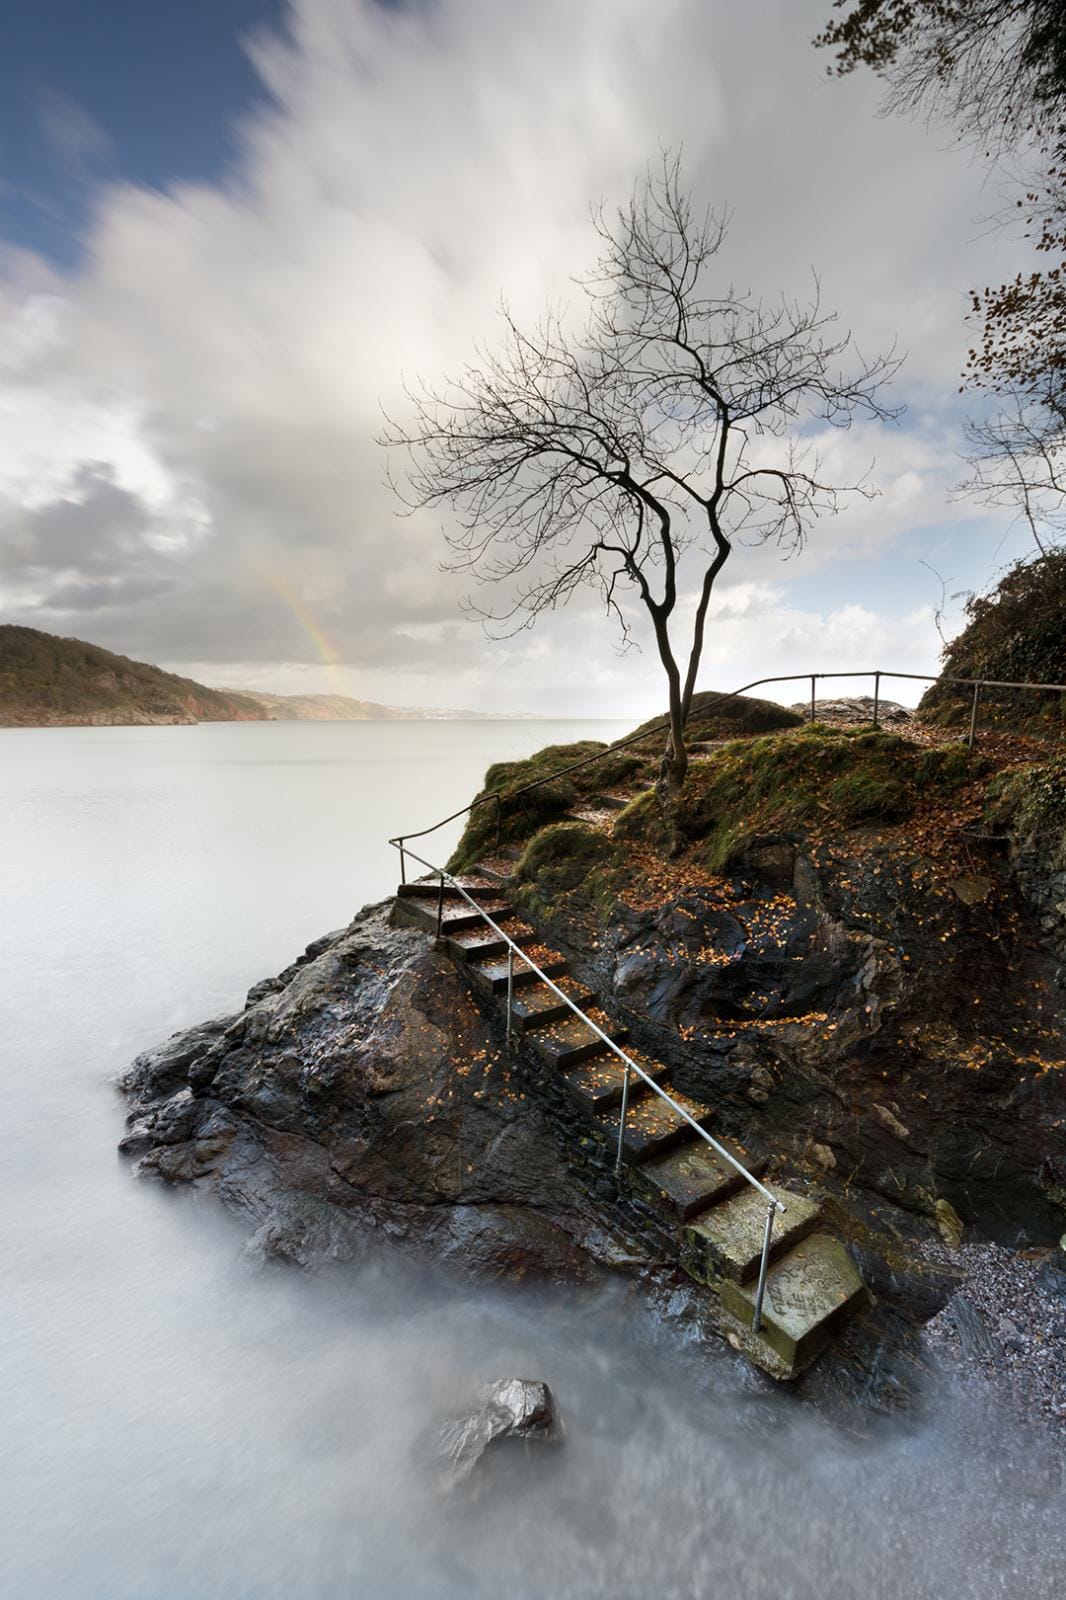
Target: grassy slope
<point>816,778</point>
<point>712,718</point>
<point>806,784</point>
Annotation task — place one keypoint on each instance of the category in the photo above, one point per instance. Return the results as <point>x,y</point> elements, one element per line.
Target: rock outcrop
<point>360,1099</point>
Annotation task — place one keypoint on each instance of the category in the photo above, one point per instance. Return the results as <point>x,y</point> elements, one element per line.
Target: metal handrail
<point>877,673</point>
<point>513,948</point>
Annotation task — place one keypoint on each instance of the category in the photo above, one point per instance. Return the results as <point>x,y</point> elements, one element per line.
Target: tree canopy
<point>996,69</point>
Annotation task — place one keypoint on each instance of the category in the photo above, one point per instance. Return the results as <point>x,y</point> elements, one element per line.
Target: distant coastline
<point>342,708</point>
<point>47,681</point>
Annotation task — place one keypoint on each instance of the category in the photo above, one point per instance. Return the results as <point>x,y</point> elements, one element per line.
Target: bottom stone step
<point>695,1176</point>
<point>810,1293</point>
<point>727,1240</point>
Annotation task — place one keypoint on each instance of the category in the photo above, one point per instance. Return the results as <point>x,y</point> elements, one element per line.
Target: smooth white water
<point>176,1427</point>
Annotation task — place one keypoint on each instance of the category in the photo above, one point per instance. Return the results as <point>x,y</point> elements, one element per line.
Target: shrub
<point>1014,634</point>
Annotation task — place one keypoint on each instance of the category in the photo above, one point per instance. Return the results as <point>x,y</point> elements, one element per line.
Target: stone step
<point>493,972</point>
<point>537,1003</point>
<point>569,1040</point>
<point>693,1177</point>
<point>607,801</point>
<point>429,884</point>
<point>653,1126</point>
<point>474,944</point>
<point>726,1241</point>
<point>499,868</point>
<point>597,1081</point>
<point>810,1292</point>
<point>588,814</point>
<point>457,914</point>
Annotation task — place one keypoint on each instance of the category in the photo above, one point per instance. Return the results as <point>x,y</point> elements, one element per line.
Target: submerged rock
<point>520,1409</point>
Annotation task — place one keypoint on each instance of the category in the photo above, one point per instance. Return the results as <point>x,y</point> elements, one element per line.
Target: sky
<point>232,230</point>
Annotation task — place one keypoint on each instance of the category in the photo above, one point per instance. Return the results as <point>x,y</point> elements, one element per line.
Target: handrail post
<point>440,906</point>
<point>756,1320</point>
<point>403,861</point>
<point>877,695</point>
<point>973,714</point>
<point>622,1123</point>
<point>812,695</point>
<point>510,994</point>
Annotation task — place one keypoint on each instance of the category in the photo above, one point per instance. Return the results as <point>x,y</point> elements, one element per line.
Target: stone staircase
<point>716,1218</point>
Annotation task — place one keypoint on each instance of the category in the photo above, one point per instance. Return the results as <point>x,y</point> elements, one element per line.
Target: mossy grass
<point>713,716</point>
<point>569,856</point>
<point>839,777</point>
<point>811,776</point>
<point>1030,802</point>
<point>521,814</point>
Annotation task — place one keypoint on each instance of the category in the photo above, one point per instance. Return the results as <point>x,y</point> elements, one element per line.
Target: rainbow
<point>325,646</point>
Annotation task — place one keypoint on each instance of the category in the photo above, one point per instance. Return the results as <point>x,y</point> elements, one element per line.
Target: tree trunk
<point>672,769</point>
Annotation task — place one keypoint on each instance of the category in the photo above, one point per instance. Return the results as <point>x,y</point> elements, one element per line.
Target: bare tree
<point>1017,458</point>
<point>669,425</point>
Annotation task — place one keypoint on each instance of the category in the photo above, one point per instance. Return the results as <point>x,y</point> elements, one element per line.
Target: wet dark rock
<point>1052,1275</point>
<point>512,1409</point>
<point>975,1338</point>
<point>864,1011</point>
<point>164,1070</point>
<point>360,1102</point>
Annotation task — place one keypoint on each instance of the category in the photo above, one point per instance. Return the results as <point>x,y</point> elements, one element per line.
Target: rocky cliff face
<point>897,1031</point>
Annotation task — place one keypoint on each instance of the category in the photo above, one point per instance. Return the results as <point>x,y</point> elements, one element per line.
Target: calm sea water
<point>174,1426</point>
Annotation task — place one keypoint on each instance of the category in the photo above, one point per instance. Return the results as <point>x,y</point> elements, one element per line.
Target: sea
<point>177,1423</point>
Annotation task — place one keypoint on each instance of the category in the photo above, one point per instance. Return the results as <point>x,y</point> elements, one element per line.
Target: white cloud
<point>223,355</point>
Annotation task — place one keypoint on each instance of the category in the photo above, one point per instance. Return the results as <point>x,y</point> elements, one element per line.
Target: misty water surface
<point>178,1427</point>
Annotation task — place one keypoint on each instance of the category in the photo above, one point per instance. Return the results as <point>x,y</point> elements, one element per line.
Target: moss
<point>948,766</point>
<point>522,813</point>
<point>568,849</point>
<point>714,716</point>
<point>641,819</point>
<point>1031,804</point>
<point>565,857</point>
<point>840,777</point>
<point>868,795</point>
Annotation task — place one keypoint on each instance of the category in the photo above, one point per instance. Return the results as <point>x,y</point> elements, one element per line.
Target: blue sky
<point>229,229</point>
<point>91,90</point>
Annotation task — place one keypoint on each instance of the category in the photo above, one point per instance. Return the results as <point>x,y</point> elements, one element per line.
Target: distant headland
<point>47,681</point>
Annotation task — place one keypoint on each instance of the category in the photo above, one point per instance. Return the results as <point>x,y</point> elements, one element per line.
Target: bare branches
<point>996,70</point>
<point>1018,460</point>
<point>676,418</point>
<point>988,66</point>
